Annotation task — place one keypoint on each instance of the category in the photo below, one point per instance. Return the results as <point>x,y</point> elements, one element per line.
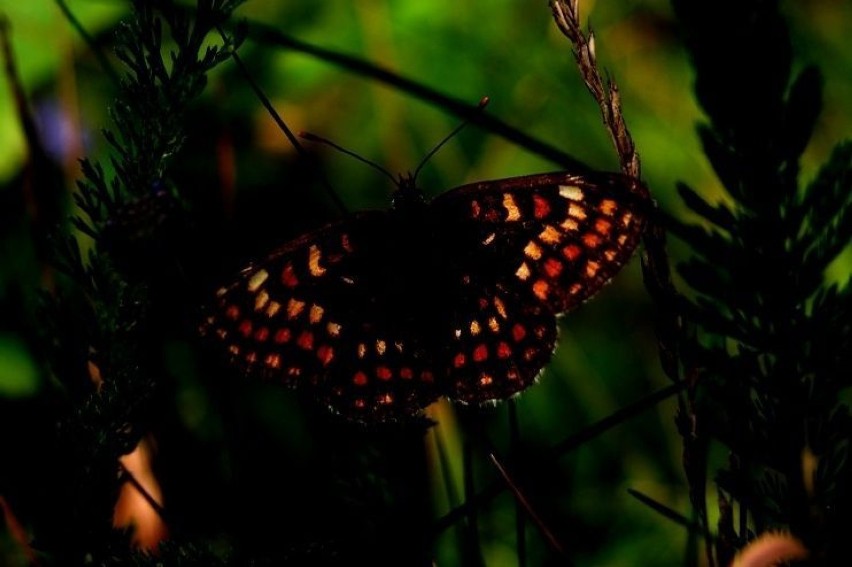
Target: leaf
<point>804,104</point>
<point>720,214</point>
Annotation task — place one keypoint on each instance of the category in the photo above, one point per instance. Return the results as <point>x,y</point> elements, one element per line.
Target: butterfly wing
<point>310,315</point>
<point>529,248</point>
<point>497,344</point>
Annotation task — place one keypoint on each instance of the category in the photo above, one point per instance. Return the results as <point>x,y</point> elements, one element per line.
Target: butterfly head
<point>407,196</point>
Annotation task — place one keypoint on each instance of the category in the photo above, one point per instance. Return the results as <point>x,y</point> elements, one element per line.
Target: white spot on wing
<point>257,280</point>
<point>571,192</point>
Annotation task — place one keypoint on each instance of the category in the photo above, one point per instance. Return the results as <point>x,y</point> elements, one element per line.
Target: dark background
<point>227,450</point>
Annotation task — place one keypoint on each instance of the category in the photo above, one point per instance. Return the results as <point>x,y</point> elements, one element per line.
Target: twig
<point>656,270</point>
<point>90,41</point>
<point>567,16</point>
<point>560,449</point>
<point>17,531</point>
<point>152,502</point>
<point>267,35</point>
<point>521,499</point>
<point>620,416</point>
<point>673,515</point>
<point>514,448</point>
<point>292,138</point>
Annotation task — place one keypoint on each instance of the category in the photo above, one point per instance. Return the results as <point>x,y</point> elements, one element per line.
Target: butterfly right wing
<point>528,249</point>
<point>306,316</point>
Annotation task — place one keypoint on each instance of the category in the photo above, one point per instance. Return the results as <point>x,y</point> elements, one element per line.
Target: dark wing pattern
<point>308,316</point>
<point>380,314</point>
<point>528,249</point>
<point>498,344</point>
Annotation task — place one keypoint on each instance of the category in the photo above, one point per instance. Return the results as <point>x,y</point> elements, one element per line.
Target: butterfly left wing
<point>528,249</point>
<point>310,315</point>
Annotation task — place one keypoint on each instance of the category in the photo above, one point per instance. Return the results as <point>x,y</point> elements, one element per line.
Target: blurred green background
<point>507,50</point>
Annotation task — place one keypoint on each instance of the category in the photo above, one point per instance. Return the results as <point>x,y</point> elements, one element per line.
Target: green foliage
<point>96,322</point>
<point>772,355</point>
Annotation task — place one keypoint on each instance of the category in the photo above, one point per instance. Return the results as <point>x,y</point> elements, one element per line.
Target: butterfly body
<point>385,311</point>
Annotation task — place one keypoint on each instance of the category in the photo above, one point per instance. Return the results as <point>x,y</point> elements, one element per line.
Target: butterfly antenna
<point>314,138</point>
<point>482,104</point>
<point>283,125</point>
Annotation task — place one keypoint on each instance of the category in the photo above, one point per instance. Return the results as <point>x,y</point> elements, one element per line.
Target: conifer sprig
<point>771,348</point>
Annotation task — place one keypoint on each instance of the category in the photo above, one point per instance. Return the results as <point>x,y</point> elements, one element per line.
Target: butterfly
<point>380,314</point>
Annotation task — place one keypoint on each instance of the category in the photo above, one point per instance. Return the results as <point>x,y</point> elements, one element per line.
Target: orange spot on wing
<point>592,268</point>
<point>314,257</point>
<point>541,289</point>
<point>608,207</point>
<point>603,226</point>
<point>273,309</point>
<point>512,211</point>
<point>570,225</point>
<point>294,308</point>
<point>315,314</point>
<point>533,250</point>
<point>576,211</point>
<point>333,329</point>
<point>550,235</point>
<point>273,360</point>
<point>500,306</point>
<point>384,373</point>
<point>518,332</point>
